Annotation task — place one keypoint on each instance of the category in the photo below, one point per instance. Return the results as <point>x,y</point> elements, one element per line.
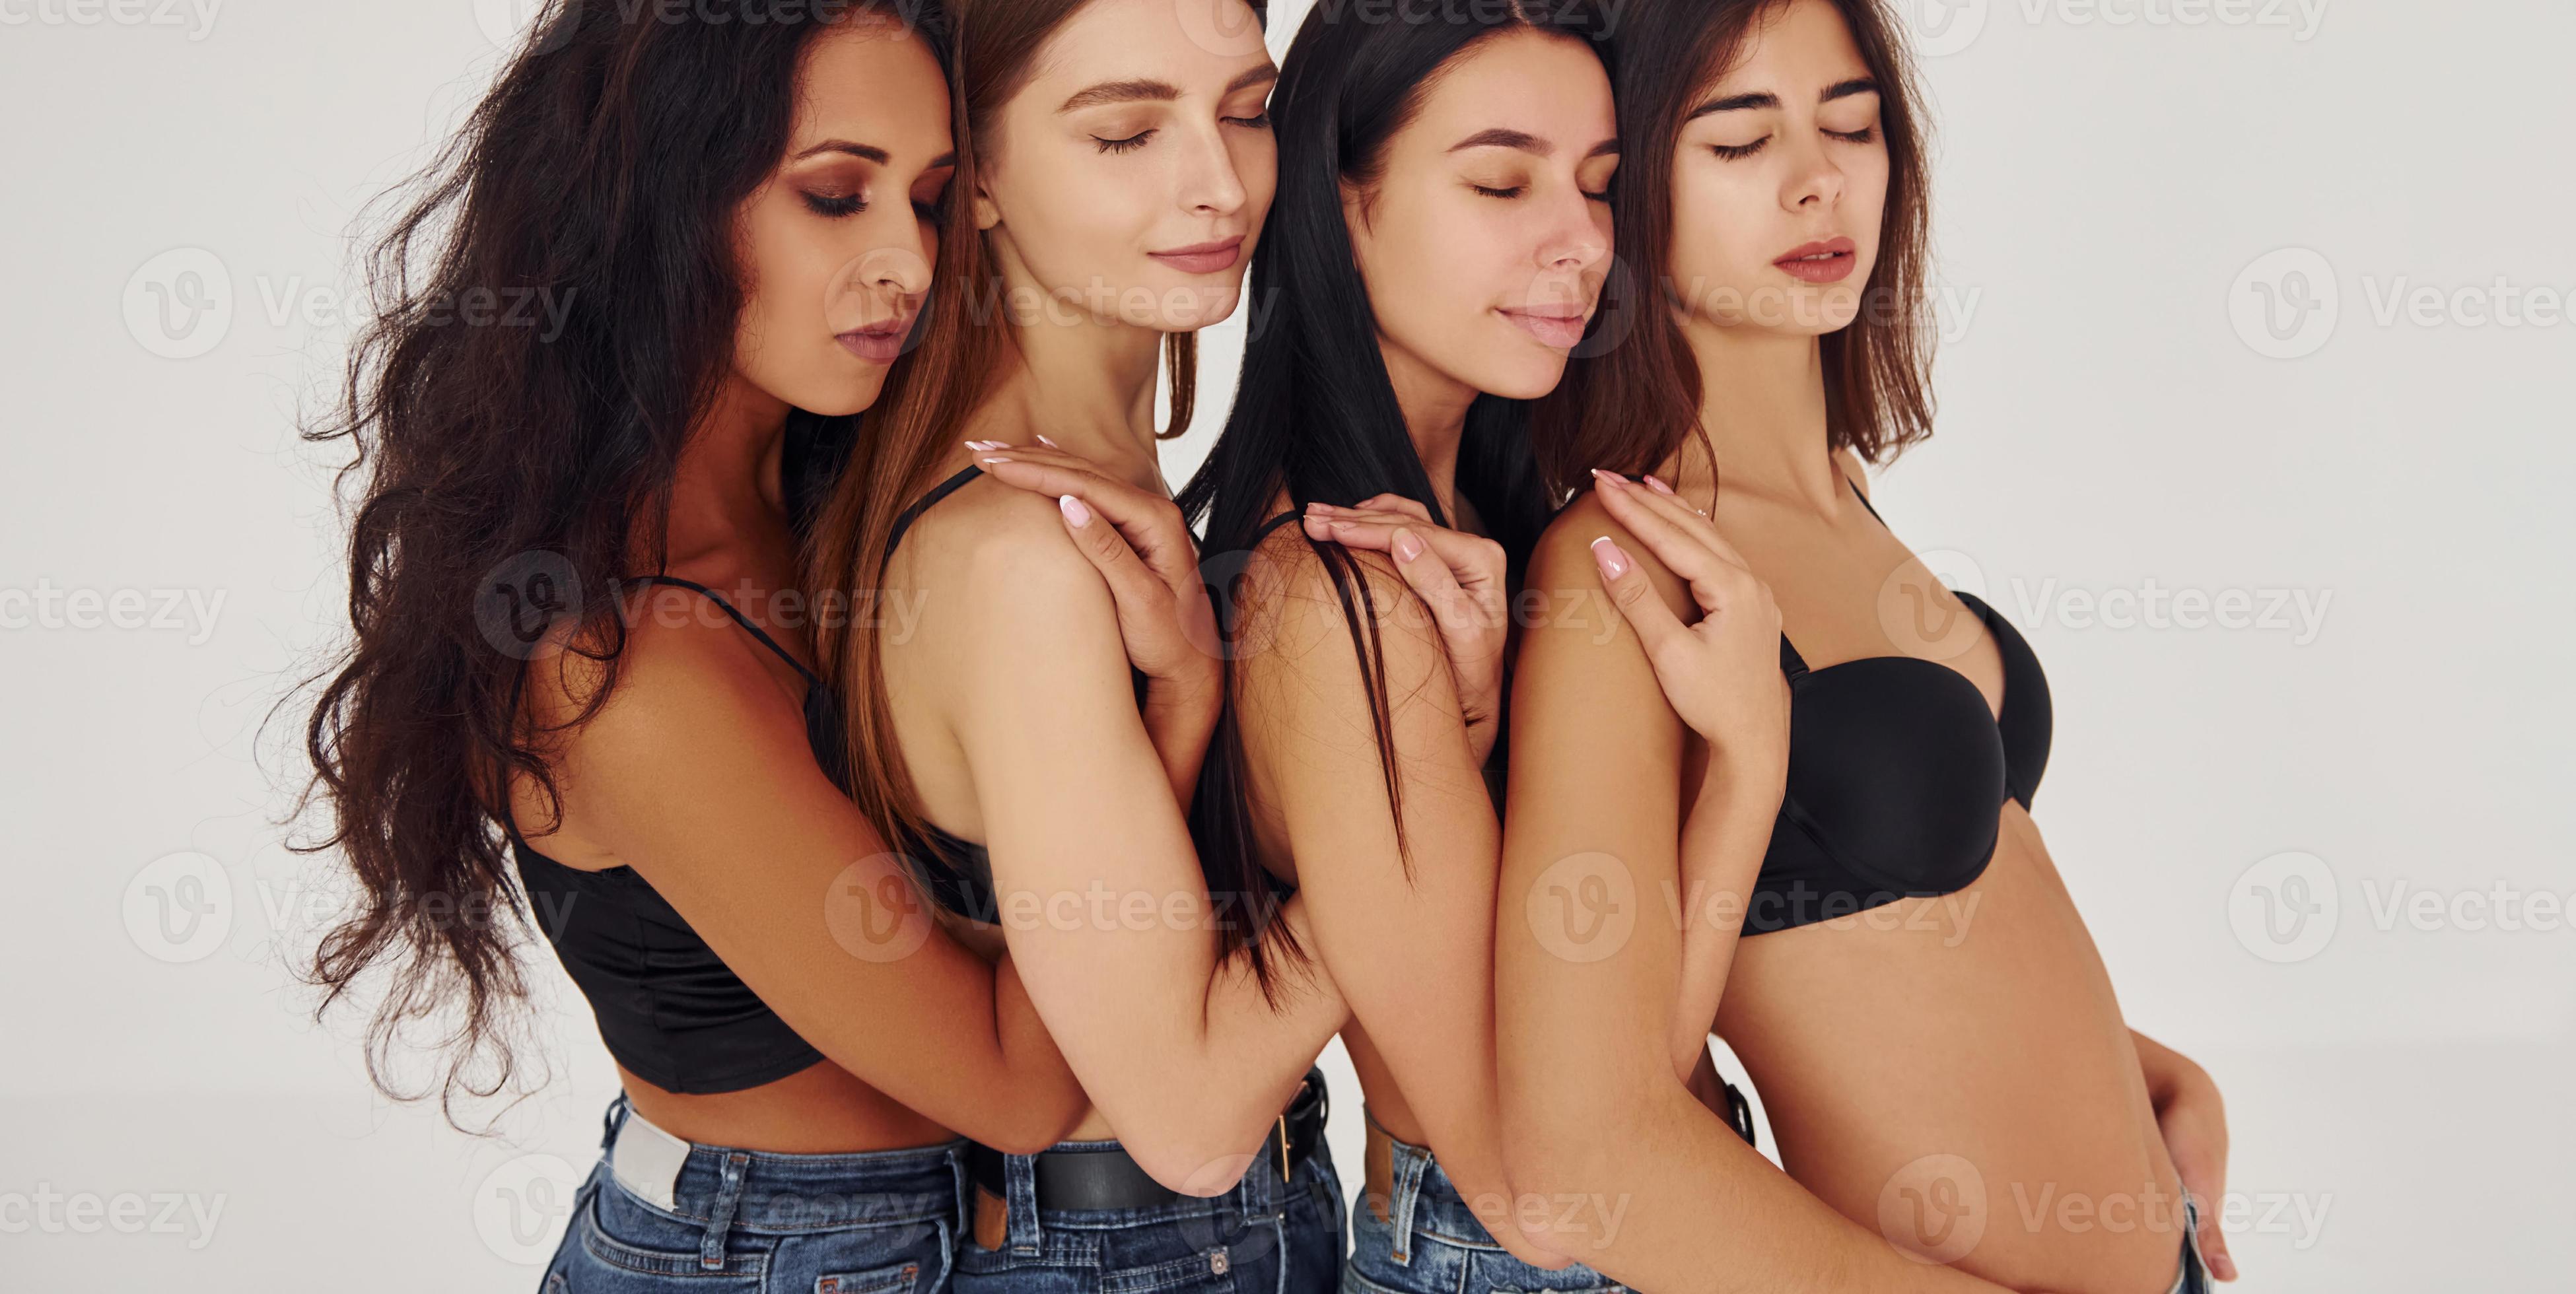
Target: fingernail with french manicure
<point>1609,478</point>
<point>1407,547</point>
<point>1074,512</point>
<point>1042,439</point>
<point>1657,483</point>
<point>1614,563</point>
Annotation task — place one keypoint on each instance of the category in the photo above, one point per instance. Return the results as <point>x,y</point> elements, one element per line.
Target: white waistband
<point>646,1160</point>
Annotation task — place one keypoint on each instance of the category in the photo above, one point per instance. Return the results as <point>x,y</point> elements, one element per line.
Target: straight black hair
<point>1316,415</point>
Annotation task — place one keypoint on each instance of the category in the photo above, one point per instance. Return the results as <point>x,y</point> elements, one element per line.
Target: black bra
<point>958,873</point>
<point>669,1009</point>
<point>1897,771</point>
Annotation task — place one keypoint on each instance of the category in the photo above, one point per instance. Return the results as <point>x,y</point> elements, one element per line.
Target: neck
<point>1085,381</point>
<point>1435,418</point>
<point>726,494</point>
<point>1763,403</point>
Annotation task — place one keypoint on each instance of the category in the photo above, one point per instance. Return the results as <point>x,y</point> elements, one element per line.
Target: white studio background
<point>2184,254</point>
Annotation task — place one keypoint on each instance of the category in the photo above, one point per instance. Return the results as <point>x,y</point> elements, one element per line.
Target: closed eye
<point>1737,152</point>
<point>1861,136</point>
<point>1512,192</point>
<point>1128,145</point>
<point>835,206</point>
<point>1260,122</point>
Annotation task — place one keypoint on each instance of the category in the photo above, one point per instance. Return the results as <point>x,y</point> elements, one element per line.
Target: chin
<point>1526,381</point>
<point>841,399</point>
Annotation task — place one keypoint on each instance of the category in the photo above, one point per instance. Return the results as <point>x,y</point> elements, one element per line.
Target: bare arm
<point>1413,953</point>
<point>1102,900</point>
<point>1596,807</point>
<point>697,774</point>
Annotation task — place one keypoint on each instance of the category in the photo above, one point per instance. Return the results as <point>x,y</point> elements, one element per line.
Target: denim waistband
<point>1258,1192</point>
<point>1422,1201</point>
<point>724,1187</point>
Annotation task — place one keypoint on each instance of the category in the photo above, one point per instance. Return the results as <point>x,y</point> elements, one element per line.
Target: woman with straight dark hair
<point>1885,942</point>
<point>1028,718</point>
<point>1437,245</point>
<point>579,695</point>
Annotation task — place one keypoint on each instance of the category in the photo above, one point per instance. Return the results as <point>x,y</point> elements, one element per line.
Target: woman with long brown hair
<point>1880,933</point>
<point>580,694</point>
<point>1029,728</point>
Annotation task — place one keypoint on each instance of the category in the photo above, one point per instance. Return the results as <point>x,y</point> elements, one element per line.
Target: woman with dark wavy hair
<point>1830,858</point>
<point>581,692</point>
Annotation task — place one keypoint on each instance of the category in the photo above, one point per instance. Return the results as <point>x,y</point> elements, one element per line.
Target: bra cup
<point>1897,768</point>
<point>2028,720</point>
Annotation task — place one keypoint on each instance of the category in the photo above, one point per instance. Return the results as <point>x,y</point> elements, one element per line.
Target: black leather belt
<point>1109,1178</point>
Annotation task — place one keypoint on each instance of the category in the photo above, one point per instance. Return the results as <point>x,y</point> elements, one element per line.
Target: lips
<point>1557,326</point>
<point>1830,261</point>
<point>878,343</point>
<point>1204,258</point>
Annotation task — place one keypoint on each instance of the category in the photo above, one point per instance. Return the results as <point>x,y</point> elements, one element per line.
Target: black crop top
<point>1897,771</point>
<point>957,872</point>
<point>669,1009</point>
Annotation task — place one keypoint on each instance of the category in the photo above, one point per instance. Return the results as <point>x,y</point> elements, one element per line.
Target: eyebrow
<point>871,153</point>
<point>1766,99</point>
<point>1525,142</point>
<point>1146,89</point>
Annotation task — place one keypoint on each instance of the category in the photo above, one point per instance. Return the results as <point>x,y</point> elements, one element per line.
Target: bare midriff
<point>1954,1073</point>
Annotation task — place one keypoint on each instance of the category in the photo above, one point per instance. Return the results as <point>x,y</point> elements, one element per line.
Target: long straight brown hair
<point>892,463</point>
<point>1631,407</point>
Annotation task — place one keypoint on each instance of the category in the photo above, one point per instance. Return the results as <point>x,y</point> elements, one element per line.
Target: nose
<point>1815,182</point>
<point>1579,239</point>
<point>902,266</point>
<point>1209,185</point>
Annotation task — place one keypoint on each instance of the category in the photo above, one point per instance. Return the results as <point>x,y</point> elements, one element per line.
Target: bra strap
<point>740,619</point>
<point>940,491</point>
<point>1864,502</point>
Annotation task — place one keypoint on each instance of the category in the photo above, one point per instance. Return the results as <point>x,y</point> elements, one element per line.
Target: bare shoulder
<point>678,688</point>
<point>1295,616</point>
<point>1562,562</point>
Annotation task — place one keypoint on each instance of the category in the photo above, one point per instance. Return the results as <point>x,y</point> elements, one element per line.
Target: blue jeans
<point>2194,1276</point>
<point>1264,1236</point>
<point>753,1221</point>
<point>1431,1243</point>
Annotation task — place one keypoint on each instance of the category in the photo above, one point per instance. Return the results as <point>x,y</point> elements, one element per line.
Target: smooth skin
<point>1491,204</point>
<point>1979,1028</point>
<point>698,774</point>
<point>1011,698</point>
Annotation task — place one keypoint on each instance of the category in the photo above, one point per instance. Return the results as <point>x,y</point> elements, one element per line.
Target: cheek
<point>1719,225</point>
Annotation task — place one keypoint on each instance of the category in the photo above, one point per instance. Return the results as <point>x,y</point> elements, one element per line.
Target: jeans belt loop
<point>711,1249</point>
